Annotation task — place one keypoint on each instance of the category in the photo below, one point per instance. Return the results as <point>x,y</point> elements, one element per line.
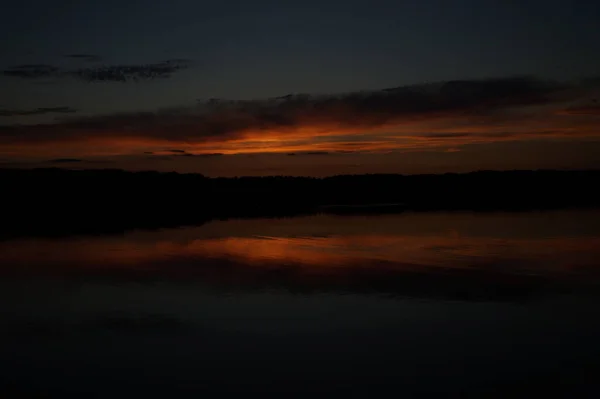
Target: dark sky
<point>82,75</point>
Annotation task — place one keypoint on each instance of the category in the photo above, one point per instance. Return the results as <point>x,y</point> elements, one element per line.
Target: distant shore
<point>50,202</point>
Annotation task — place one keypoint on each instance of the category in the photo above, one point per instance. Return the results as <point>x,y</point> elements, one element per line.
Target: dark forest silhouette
<point>57,201</point>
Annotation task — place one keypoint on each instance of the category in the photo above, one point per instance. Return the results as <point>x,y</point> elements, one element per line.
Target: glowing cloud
<point>440,115</point>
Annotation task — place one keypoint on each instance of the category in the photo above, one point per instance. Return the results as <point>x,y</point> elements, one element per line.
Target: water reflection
<point>391,253</point>
<point>332,251</point>
<point>474,302</point>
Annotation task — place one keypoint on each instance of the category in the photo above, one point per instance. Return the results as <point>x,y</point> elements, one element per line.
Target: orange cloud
<point>442,115</point>
<point>583,110</point>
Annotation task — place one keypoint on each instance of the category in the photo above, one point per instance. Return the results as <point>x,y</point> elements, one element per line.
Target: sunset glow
<point>398,252</point>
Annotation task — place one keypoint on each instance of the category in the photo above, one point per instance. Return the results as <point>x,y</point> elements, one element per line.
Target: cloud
<point>127,73</point>
<point>32,71</point>
<point>439,114</point>
<point>448,135</point>
<point>103,73</point>
<point>66,160</point>
<point>582,110</point>
<point>309,153</point>
<point>84,57</point>
<point>174,153</point>
<point>78,161</point>
<point>210,155</point>
<point>36,111</point>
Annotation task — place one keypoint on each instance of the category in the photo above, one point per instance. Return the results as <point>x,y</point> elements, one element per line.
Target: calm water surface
<point>451,304</point>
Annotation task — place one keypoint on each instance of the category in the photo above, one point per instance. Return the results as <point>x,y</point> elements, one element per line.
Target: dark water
<point>411,305</point>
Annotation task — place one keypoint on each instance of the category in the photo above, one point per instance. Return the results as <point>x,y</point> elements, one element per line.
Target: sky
<point>307,87</point>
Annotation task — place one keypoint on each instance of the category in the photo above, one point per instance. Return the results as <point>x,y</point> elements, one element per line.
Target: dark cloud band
<point>37,111</point>
<point>84,57</point>
<point>104,73</point>
<point>488,101</point>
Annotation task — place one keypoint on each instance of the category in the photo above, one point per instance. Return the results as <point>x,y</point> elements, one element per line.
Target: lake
<point>451,304</point>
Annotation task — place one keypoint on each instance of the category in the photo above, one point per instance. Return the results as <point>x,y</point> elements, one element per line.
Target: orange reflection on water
<point>158,252</point>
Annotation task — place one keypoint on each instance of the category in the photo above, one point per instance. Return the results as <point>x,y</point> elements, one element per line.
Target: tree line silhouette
<point>55,201</point>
